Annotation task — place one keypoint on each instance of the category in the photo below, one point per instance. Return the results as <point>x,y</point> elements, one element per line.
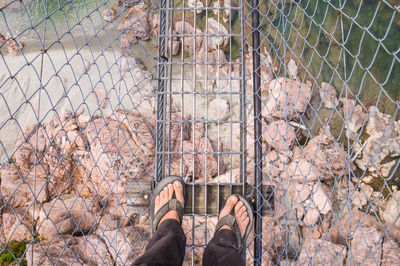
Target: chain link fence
<point>292,103</point>
<point>327,100</point>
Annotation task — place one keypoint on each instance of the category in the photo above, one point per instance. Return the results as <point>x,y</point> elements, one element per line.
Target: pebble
<point>218,109</point>
<point>328,95</point>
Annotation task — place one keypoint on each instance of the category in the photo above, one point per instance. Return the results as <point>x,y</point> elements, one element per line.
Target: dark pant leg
<point>167,247</point>
<point>222,250</point>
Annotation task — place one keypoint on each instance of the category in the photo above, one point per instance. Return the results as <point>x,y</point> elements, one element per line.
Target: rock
<point>194,6</point>
<point>390,214</point>
<point>279,135</point>
<point>292,69</point>
<point>322,252</point>
<point>298,192</point>
<point>380,125</point>
<point>274,235</point>
<point>19,190</point>
<point>126,63</point>
<point>106,223</point>
<point>266,70</point>
<point>56,166</point>
<point>206,159</point>
<point>341,229</point>
<point>100,97</point>
<point>66,215</point>
<point>137,24</point>
<point>198,229</point>
<point>368,190</point>
<point>126,244</point>
<point>300,171</point>
<point>86,65</point>
<point>15,47</point>
<point>186,166</point>
<point>210,69</point>
<point>298,153</point>
<point>271,156</point>
<point>320,198</point>
<point>218,109</point>
<point>367,179</point>
<point>221,39</point>
<point>327,155</point>
<point>142,80</point>
<point>361,198</point>
<point>229,177</point>
<point>155,20</point>
<point>16,225</point>
<point>311,217</point>
<point>287,99</point>
<point>366,246</point>
<point>192,44</point>
<point>328,95</point>
<point>175,47</point>
<point>376,150</point>
<point>76,138</point>
<point>31,143</point>
<point>112,141</point>
<point>288,262</point>
<point>390,253</point>
<point>109,14</point>
<point>354,115</point>
<point>69,250</point>
<point>2,39</point>
<point>127,39</point>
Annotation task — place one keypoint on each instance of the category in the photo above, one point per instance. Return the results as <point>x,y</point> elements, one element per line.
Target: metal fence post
<point>257,133</point>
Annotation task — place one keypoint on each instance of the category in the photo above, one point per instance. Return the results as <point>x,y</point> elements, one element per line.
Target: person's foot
<point>165,195</point>
<point>241,215</point>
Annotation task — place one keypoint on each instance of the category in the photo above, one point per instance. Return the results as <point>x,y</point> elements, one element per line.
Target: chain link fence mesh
<point>329,93</point>
<point>101,98</point>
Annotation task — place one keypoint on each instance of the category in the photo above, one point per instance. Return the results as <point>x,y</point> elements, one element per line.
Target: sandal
<point>230,220</point>
<point>172,204</point>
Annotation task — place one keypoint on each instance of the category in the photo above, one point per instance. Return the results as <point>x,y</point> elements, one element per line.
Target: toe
<point>170,189</point>
<point>163,194</point>
<point>238,206</point>
<point>241,211</point>
<point>177,186</point>
<point>229,205</point>
<point>244,215</point>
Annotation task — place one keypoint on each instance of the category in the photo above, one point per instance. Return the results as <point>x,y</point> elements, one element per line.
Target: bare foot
<point>165,195</point>
<point>241,215</point>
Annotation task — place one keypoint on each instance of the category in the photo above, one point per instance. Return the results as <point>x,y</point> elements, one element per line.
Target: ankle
<point>225,227</point>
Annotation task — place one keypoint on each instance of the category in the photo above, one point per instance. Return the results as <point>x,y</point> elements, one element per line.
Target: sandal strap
<point>172,204</point>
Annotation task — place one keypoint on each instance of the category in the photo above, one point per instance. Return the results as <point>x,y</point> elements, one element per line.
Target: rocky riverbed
<point>332,160</point>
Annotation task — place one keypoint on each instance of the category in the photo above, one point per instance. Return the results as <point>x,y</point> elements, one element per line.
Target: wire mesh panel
<point>99,99</point>
<point>327,76</point>
<point>200,109</point>
<point>76,130</point>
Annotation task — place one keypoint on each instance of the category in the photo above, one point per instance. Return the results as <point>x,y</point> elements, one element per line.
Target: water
<point>352,44</point>
<point>42,22</point>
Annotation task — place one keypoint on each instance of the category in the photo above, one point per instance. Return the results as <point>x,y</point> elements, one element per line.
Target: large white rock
<point>320,198</point>
<point>354,115</point>
<point>322,252</point>
<point>222,35</point>
<point>218,109</point>
<point>300,171</point>
<point>287,98</point>
<point>195,5</point>
<point>391,212</point>
<point>279,135</point>
<point>328,95</point>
